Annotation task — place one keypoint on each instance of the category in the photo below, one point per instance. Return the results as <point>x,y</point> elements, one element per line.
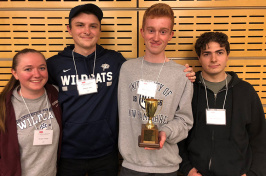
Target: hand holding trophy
<point>149,131</point>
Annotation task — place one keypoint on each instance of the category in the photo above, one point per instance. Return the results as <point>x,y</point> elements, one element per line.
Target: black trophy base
<point>149,137</point>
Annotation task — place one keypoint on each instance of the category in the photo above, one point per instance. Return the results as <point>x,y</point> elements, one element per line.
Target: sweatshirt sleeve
<point>257,136</point>
<point>177,129</point>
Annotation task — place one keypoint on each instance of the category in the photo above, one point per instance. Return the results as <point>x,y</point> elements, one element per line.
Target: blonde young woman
<point>30,119</point>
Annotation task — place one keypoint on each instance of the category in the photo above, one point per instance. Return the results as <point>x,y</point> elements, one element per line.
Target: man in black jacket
<point>229,136</point>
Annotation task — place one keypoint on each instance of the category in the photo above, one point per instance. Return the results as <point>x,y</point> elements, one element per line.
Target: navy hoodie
<point>90,122</point>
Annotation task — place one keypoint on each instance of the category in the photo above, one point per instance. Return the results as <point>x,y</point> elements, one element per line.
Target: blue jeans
<point>104,166</point>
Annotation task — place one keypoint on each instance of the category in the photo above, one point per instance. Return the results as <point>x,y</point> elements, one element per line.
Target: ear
<point>69,30</point>
<point>199,60</point>
<point>14,73</point>
<point>142,32</point>
<point>171,35</point>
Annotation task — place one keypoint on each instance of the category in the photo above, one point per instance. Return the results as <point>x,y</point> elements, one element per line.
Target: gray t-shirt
<point>39,160</point>
<point>217,86</point>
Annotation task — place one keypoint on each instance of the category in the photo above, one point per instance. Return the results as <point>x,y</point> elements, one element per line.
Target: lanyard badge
<point>88,86</point>
<point>216,116</point>
<point>43,137</point>
<point>147,88</point>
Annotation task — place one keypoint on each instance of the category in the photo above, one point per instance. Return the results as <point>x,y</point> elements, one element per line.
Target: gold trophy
<point>149,131</point>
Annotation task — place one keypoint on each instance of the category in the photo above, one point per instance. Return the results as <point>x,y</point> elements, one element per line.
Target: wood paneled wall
<point>41,24</point>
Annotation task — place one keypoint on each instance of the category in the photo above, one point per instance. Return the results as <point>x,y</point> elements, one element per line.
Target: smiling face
<point>31,71</point>
<point>213,60</point>
<point>85,30</point>
<point>157,32</point>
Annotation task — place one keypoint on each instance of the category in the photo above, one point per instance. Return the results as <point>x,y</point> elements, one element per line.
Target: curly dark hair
<point>208,37</point>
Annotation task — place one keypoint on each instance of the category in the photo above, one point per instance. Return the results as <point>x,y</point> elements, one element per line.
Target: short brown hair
<point>208,37</point>
<point>159,10</point>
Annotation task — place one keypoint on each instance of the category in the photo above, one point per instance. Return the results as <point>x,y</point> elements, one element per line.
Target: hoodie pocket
<point>200,153</point>
<point>87,139</point>
<point>227,159</point>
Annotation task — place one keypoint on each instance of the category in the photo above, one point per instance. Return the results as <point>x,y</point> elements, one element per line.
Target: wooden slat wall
<point>46,31</point>
<point>5,73</point>
<point>205,3</point>
<point>41,24</point>
<point>129,3</point>
<point>61,4</point>
<point>245,28</point>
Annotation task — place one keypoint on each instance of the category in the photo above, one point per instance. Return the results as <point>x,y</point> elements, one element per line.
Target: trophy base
<point>149,137</point>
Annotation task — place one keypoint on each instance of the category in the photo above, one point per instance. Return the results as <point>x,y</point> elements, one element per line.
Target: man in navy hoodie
<point>87,77</point>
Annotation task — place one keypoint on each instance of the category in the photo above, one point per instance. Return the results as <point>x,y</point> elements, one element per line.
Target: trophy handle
<point>159,111</point>
<point>144,110</point>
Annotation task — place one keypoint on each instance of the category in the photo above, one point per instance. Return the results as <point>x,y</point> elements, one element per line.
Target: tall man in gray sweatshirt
<point>175,118</point>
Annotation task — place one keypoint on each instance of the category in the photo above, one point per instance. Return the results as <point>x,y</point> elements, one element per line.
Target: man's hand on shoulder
<point>194,172</point>
<point>191,75</point>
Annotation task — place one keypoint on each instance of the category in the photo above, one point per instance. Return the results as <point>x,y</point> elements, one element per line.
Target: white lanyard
<point>30,112</point>
<point>159,71</point>
<point>206,91</point>
<point>148,87</point>
<point>75,62</point>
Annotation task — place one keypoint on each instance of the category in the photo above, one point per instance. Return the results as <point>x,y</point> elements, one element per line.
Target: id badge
<point>216,116</point>
<point>88,86</point>
<point>147,88</point>
<point>43,137</point>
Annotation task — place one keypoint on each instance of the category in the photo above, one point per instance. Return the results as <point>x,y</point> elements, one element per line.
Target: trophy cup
<point>149,131</point>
